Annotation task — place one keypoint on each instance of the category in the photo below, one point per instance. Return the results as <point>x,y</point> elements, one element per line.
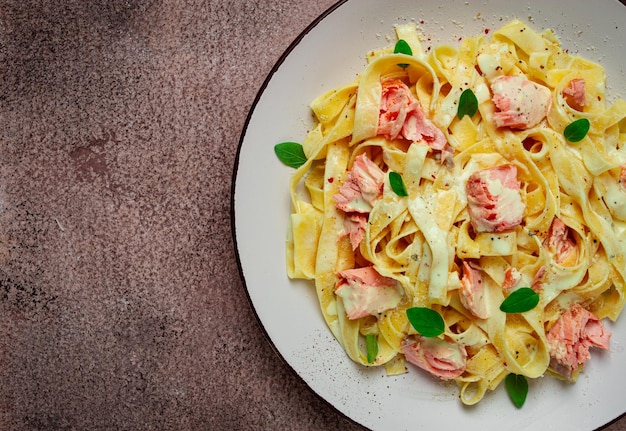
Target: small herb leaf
<point>426,321</point>
<point>517,387</point>
<point>371,345</point>
<point>468,104</point>
<point>577,130</point>
<point>290,153</point>
<point>519,301</point>
<point>402,47</point>
<point>397,184</point>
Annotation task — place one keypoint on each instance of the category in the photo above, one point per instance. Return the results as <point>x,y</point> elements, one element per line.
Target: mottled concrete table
<point>121,306</point>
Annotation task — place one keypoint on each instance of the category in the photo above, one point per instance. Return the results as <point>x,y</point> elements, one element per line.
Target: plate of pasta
<point>429,210</point>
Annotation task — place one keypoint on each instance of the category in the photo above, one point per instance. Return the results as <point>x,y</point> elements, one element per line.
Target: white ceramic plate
<point>328,54</point>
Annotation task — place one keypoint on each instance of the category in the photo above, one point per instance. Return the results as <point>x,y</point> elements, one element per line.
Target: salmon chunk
<point>362,187</point>
<point>494,199</point>
<point>364,292</point>
<point>521,103</point>
<point>354,228</point>
<point>571,337</point>
<point>444,359</point>
<point>357,195</point>
<point>561,243</point>
<point>574,94</point>
<point>401,116</point>
<point>472,291</point>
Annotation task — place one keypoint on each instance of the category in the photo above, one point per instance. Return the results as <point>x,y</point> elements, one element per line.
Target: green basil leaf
<point>402,47</point>
<point>397,184</point>
<point>426,321</point>
<point>517,387</point>
<point>290,153</point>
<point>371,345</point>
<point>468,104</point>
<point>577,130</point>
<point>520,300</point>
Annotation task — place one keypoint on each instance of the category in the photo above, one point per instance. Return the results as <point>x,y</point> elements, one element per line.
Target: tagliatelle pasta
<point>496,201</point>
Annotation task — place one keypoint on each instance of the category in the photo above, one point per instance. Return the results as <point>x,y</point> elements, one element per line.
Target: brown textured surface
<point>120,302</point>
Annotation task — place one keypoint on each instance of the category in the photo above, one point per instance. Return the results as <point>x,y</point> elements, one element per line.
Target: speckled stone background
<point>121,306</point>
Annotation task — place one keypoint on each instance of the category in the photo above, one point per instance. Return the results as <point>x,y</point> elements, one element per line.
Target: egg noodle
<point>426,240</point>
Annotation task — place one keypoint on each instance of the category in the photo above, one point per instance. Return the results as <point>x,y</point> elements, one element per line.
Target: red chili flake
<point>422,21</point>
<point>486,31</point>
<point>460,39</point>
<point>331,179</point>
